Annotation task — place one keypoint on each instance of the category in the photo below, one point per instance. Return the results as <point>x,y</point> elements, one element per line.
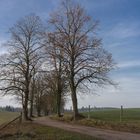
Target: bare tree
<point>32,94</point>
<point>46,93</point>
<point>57,72</point>
<point>40,88</point>
<point>83,56</point>
<point>24,57</point>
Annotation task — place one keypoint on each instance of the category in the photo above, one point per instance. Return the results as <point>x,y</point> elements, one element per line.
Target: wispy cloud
<point>124,30</point>
<point>3,50</point>
<point>129,64</point>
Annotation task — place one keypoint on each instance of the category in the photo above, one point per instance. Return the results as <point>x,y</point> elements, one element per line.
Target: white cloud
<point>2,47</point>
<point>8,100</point>
<point>127,94</point>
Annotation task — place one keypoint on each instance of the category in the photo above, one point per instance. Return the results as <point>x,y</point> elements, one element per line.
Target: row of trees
<point>46,63</point>
<point>10,109</point>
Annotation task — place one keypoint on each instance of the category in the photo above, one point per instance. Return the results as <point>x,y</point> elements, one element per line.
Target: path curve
<point>91,131</point>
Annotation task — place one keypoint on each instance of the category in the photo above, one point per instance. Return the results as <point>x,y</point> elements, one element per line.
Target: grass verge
<point>111,125</point>
<point>31,131</point>
<point>7,116</point>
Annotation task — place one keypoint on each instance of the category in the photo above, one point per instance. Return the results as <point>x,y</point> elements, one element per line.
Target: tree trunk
<point>25,113</point>
<point>59,92</point>
<point>25,109</point>
<point>38,107</point>
<point>74,102</point>
<point>31,102</point>
<point>31,106</point>
<point>73,92</point>
<point>59,103</point>
<point>38,111</point>
<point>46,112</point>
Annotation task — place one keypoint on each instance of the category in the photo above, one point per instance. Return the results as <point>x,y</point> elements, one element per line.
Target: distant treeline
<point>86,109</point>
<point>10,109</point>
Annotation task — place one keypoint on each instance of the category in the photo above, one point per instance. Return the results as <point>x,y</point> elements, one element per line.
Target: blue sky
<point>120,30</point>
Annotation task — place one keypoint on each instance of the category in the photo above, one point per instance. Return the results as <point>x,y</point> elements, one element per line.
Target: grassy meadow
<point>130,115</point>
<point>7,116</point>
<point>108,119</point>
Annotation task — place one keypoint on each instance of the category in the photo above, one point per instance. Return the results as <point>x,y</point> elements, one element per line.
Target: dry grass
<point>31,131</point>
<point>7,116</point>
<point>112,125</point>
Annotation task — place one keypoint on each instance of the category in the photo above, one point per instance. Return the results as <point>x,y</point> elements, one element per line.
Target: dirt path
<point>98,133</point>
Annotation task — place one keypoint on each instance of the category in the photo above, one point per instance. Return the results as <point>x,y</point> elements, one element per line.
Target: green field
<point>107,119</point>
<point>110,119</point>
<point>130,115</point>
<point>7,116</point>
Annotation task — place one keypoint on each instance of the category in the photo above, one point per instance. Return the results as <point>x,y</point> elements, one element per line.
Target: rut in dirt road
<point>96,132</point>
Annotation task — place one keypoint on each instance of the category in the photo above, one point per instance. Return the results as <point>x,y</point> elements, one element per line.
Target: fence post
<point>121,113</point>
